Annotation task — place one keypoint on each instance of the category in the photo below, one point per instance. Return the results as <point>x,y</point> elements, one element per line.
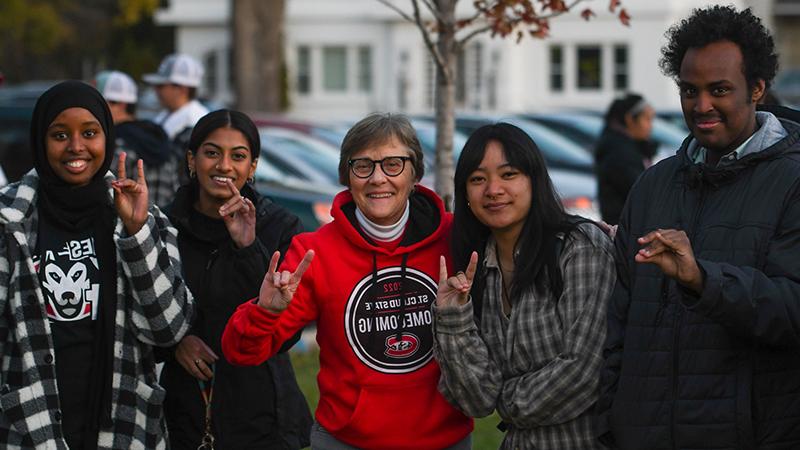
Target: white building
<point>348,57</point>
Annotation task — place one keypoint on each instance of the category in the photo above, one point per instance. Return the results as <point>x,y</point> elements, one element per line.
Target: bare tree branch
<point>434,10</point>
<point>397,10</point>
<point>426,36</point>
<point>463,41</point>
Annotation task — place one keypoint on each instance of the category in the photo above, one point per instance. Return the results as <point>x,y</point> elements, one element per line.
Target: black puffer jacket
<point>618,163</point>
<point>721,370</point>
<point>259,407</point>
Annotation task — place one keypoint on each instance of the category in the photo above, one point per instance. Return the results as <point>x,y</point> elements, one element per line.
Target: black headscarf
<point>77,208</point>
<point>73,207</point>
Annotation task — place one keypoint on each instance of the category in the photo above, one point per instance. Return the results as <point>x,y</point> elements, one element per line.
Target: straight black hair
<point>535,253</point>
<point>226,118</point>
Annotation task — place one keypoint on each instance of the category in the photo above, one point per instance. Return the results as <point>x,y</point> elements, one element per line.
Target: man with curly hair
<point>703,347</point>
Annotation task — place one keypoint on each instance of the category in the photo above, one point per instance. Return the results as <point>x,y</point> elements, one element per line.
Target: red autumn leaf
<point>612,5</point>
<point>624,17</point>
<point>587,14</point>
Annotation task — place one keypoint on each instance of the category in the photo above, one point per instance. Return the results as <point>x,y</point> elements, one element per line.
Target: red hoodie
<point>377,379</point>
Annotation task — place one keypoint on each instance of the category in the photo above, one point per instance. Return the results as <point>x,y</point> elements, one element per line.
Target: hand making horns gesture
<point>454,291</point>
<point>130,197</point>
<point>278,288</point>
<point>239,215</point>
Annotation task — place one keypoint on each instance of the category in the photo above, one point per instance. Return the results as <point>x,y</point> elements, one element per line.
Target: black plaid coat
<point>153,309</point>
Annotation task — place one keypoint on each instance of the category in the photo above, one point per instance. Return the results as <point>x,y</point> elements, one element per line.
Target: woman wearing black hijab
<point>87,287</point>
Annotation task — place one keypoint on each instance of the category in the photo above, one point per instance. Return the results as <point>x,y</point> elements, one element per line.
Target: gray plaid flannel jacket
<point>153,308</point>
<point>540,367</point>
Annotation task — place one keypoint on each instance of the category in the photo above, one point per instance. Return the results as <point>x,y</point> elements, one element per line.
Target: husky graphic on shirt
<point>69,281</point>
<point>388,325</point>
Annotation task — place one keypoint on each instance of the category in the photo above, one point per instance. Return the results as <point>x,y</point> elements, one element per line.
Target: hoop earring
<point>251,180</point>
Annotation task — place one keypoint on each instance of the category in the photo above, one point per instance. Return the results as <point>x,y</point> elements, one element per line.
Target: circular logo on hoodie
<point>388,322</point>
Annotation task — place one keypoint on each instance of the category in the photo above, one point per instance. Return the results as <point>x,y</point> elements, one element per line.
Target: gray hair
<point>377,129</point>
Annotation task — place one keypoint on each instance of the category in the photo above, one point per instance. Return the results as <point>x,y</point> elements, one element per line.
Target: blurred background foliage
<point>76,38</point>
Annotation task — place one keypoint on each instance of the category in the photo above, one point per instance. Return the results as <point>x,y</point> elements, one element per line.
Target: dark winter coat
<point>256,407</point>
<point>618,163</point>
<point>720,370</point>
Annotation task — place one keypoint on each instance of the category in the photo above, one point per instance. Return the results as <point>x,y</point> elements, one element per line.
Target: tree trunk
<point>257,36</point>
<point>446,102</point>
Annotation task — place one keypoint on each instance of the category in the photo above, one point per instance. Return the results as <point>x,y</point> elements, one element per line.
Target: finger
<point>140,169</point>
<point>126,184</point>
<point>285,278</point>
<point>472,267</point>
<point>121,165</point>
<point>233,205</point>
<point>273,262</point>
<point>232,188</point>
<point>442,270</point>
<point>204,369</point>
<point>209,354</point>
<point>302,267</point>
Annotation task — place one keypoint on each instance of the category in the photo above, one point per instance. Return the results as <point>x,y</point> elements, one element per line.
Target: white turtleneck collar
<point>383,233</point>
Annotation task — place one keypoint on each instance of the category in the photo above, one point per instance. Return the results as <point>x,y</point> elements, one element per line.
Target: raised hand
<point>239,215</point>
<point>454,291</point>
<point>196,357</point>
<point>130,197</point>
<point>278,288</point>
<point>672,252</point>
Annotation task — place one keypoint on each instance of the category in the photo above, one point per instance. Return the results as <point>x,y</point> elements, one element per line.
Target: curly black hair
<point>722,23</point>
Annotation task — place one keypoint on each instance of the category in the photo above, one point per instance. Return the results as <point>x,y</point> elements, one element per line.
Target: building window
<point>621,67</point>
<point>334,69</point>
<point>365,69</point>
<point>303,69</point>
<point>210,74</point>
<point>556,68</point>
<point>589,67</point>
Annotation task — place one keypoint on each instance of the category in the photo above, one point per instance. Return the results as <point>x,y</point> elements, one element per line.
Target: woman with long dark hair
<point>226,234</point>
<point>528,341</point>
<point>89,284</point>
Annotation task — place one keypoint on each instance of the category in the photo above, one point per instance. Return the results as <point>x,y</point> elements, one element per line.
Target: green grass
<point>306,365</point>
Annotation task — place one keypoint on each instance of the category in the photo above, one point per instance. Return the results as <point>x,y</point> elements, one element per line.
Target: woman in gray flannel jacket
<point>528,341</point>
<point>88,285</point>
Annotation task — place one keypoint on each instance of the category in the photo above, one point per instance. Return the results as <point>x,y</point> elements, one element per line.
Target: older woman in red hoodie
<point>369,283</point>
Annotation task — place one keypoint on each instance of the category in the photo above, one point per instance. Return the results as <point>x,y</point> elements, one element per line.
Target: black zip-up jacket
<point>720,370</point>
<point>259,407</point>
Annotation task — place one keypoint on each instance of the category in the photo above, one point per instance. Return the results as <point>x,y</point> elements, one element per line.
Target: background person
<point>226,235</point>
<point>369,287</point>
<point>528,343</point>
<point>702,348</point>
<point>87,288</point>
<point>176,82</point>
<point>139,139</point>
<point>623,152</point>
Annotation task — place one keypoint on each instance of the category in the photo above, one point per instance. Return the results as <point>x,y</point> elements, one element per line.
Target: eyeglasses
<point>392,166</point>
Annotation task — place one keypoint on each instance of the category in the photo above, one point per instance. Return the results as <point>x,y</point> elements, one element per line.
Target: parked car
<point>787,86</point>
<point>309,201</point>
<point>320,157</point>
<point>585,129</point>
